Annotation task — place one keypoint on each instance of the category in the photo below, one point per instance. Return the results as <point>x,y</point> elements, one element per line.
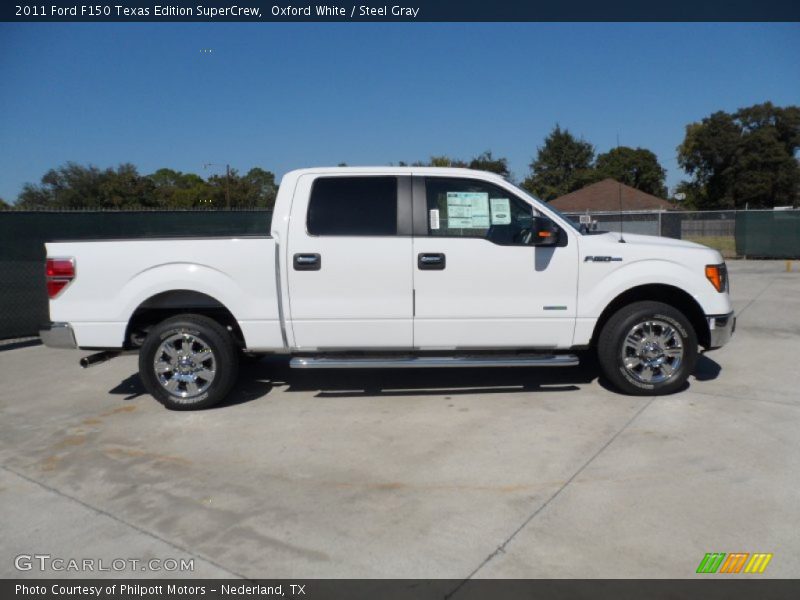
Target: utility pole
<point>228,186</point>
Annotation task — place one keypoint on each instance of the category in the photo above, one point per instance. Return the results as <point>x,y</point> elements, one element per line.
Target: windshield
<point>567,219</point>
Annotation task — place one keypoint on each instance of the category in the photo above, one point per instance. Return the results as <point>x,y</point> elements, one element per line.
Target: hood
<point>650,240</point>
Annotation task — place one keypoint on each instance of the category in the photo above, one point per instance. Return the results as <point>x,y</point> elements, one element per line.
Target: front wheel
<point>188,362</point>
<point>647,349</point>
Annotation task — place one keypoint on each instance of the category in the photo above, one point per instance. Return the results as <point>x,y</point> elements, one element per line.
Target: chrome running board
<point>418,362</point>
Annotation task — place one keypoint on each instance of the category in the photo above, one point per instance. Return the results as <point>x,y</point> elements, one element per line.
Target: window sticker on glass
<point>501,211</point>
<point>434,212</point>
<point>467,210</point>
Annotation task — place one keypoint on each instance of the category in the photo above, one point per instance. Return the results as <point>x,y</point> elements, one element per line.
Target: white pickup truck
<point>392,267</point>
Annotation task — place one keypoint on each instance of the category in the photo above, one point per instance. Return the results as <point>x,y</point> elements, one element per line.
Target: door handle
<point>431,261</point>
<point>307,262</point>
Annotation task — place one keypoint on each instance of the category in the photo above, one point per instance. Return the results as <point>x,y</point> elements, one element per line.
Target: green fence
<point>768,234</point>
<point>735,233</point>
<point>23,299</point>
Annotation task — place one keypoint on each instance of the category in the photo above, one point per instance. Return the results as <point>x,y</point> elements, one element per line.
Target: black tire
<point>195,383</point>
<point>659,336</point>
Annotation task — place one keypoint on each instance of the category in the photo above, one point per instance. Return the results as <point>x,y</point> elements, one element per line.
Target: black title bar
<point>405,10</point>
<point>709,588</point>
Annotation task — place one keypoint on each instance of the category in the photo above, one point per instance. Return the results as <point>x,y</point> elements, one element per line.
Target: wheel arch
<point>166,304</point>
<point>658,292</point>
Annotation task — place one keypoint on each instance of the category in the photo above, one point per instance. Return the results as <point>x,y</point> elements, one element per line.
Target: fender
<point>255,315</point>
<point>600,283</point>
<point>171,276</point>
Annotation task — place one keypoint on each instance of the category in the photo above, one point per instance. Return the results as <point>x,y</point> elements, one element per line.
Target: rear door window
<point>353,206</point>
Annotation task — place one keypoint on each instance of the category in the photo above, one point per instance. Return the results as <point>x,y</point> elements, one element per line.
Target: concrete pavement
<point>429,474</point>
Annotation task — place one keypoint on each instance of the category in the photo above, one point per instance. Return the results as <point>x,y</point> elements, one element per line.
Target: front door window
<point>476,209</point>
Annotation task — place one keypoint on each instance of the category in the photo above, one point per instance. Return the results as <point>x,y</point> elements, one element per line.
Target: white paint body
<point>369,293</point>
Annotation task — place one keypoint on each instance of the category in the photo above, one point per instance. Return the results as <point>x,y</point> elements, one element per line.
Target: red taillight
<point>60,272</point>
<point>61,267</point>
<point>54,286</point>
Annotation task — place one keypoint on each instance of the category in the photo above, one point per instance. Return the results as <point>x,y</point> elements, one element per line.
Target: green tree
<point>485,162</point>
<point>123,187</point>
<point>76,186</point>
<point>260,188</point>
<point>442,161</point>
<point>4,205</point>
<point>174,189</point>
<point>257,188</point>
<point>746,158</point>
<point>636,167</point>
<point>167,178</point>
<point>563,164</point>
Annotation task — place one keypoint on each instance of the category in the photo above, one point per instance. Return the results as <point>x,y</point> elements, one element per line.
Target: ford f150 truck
<point>391,268</point>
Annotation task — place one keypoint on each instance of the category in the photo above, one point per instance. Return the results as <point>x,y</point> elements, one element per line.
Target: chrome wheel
<point>184,365</point>
<point>652,351</point>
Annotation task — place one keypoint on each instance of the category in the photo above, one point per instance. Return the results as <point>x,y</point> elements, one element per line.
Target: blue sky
<point>283,96</point>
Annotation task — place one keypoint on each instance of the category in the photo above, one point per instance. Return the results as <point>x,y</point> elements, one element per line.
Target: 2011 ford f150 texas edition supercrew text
<point>392,267</point>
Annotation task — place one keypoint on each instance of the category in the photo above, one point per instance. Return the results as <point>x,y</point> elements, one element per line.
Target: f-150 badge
<point>602,258</point>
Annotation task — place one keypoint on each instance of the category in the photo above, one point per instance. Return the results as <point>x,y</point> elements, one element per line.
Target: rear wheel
<point>188,362</point>
<point>647,348</point>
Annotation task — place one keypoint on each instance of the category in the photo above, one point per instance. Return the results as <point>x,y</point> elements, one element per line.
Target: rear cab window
<point>353,206</point>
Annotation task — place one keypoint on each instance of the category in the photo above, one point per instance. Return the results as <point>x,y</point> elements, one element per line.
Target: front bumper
<point>58,335</point>
<point>721,328</point>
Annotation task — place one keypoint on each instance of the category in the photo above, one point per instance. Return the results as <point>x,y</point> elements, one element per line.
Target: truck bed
<point>115,277</point>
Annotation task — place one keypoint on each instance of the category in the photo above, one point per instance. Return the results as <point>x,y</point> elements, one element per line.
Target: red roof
<point>604,196</point>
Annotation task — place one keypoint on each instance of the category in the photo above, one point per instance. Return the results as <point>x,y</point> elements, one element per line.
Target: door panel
<point>348,291</point>
<point>490,295</point>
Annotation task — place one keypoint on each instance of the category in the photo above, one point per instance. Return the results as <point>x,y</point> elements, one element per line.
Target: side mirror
<point>544,232</point>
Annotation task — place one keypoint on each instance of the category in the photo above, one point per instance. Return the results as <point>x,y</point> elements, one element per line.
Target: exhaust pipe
<point>95,359</point>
